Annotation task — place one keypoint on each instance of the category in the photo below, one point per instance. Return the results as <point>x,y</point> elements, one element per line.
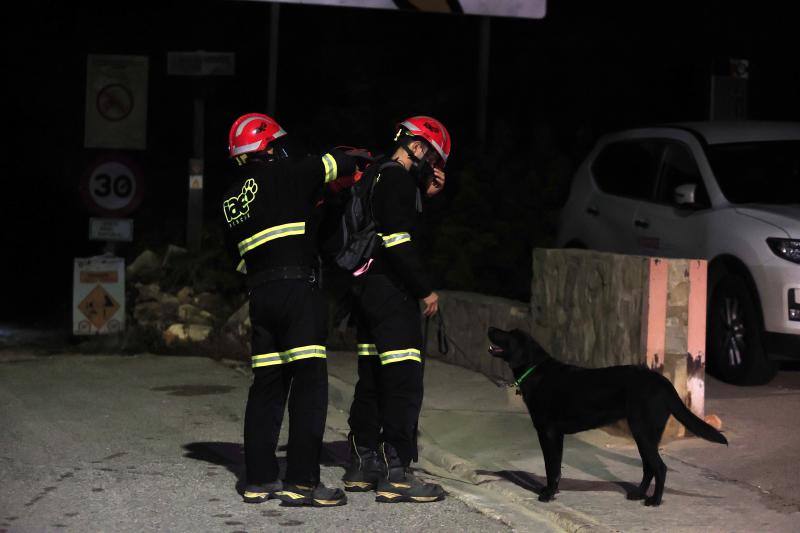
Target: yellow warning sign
<point>98,306</point>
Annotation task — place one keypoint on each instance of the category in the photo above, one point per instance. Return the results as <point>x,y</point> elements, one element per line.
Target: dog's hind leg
<point>640,492</point>
<point>646,432</point>
<point>661,478</point>
<point>552,443</point>
<point>659,422</point>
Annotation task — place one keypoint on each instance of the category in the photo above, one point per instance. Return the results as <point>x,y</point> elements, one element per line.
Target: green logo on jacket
<point>237,208</point>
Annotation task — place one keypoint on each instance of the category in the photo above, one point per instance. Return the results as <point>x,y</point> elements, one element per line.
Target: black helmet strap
<point>420,169</point>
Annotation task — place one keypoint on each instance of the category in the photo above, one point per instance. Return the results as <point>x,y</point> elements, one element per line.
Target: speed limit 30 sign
<point>113,186</point>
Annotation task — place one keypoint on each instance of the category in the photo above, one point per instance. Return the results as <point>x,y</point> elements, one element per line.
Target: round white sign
<point>112,185</point>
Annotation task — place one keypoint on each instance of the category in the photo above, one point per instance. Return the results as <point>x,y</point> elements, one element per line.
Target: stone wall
<point>590,305</point>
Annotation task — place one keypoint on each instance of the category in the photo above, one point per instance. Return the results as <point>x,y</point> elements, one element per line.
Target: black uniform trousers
<point>388,395</point>
<point>289,325</point>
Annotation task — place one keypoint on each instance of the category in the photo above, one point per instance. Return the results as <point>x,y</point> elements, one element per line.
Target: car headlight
<point>788,249</point>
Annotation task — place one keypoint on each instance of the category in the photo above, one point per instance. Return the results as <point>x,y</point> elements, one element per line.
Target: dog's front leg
<point>552,443</point>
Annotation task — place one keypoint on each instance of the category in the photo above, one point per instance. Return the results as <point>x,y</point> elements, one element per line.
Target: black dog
<point>565,399</point>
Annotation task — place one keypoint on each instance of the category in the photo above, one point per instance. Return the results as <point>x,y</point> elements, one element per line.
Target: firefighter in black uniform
<point>268,213</point>
<point>388,395</point>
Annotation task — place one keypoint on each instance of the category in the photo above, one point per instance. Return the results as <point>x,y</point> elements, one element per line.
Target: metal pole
<point>272,83</point>
<point>199,127</point>
<point>483,79</point>
<point>194,213</point>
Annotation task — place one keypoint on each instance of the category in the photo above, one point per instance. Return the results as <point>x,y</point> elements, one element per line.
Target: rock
<point>209,301</point>
<point>194,315</point>
<point>147,313</point>
<point>157,313</point>
<point>185,295</point>
<point>713,421</point>
<point>239,322</point>
<point>169,307</point>
<point>150,292</point>
<point>178,333</point>
<point>146,267</point>
<point>173,252</point>
<point>240,316</point>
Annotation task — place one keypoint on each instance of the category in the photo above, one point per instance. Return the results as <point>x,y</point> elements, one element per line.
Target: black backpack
<point>355,242</point>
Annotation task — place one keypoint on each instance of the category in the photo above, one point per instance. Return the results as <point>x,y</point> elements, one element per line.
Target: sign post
<point>194,214</point>
<point>198,64</point>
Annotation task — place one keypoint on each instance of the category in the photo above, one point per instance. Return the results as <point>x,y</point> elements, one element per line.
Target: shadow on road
<point>231,456</point>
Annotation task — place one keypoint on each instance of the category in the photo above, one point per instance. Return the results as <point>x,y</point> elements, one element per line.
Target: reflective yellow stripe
<point>303,352</point>
<point>241,267</point>
<point>330,167</point>
<point>395,356</point>
<point>292,495</point>
<point>266,359</point>
<point>294,354</point>
<point>270,234</point>
<point>367,349</point>
<point>394,239</point>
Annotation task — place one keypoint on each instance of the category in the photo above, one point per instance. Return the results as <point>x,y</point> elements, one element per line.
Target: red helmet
<point>429,129</point>
<point>251,133</point>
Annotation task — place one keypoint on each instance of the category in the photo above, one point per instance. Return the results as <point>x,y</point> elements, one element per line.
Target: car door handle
<point>639,223</point>
<point>592,211</point>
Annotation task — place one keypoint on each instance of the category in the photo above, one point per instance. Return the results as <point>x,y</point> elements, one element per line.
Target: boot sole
<point>359,486</point>
<point>313,503</point>
<point>395,497</point>
<point>293,499</point>
<point>257,497</point>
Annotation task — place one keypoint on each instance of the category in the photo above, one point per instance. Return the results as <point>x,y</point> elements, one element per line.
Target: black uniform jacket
<point>397,207</point>
<point>269,206</point>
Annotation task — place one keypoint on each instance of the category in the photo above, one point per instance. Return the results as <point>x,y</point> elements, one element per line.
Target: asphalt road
<point>762,425</point>
<point>147,443</point>
<point>153,443</point>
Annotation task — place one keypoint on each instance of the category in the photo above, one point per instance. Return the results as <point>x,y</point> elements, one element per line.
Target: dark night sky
<point>346,76</point>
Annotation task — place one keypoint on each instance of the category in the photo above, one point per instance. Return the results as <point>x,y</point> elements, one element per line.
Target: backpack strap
<point>381,167</point>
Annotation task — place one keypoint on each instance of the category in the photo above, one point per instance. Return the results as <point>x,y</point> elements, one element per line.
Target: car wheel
<point>734,337</point>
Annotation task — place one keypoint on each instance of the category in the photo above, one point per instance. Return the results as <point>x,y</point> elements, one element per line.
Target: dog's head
<point>516,348</point>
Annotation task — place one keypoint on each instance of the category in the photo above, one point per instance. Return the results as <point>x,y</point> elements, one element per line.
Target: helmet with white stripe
<point>252,132</point>
<point>431,130</point>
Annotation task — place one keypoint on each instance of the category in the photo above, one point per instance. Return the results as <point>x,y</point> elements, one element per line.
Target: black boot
<point>258,493</point>
<point>295,495</point>
<point>400,485</point>
<point>365,468</point>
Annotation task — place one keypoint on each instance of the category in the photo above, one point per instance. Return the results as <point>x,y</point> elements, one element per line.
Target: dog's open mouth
<point>495,350</point>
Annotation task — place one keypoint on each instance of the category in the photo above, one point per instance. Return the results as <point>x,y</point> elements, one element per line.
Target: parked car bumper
<point>777,283</point>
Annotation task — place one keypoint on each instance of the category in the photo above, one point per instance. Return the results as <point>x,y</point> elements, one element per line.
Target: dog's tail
<point>692,422</point>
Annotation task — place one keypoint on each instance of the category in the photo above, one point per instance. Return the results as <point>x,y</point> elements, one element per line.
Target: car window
<point>627,168</point>
<point>765,172</point>
<point>679,167</point>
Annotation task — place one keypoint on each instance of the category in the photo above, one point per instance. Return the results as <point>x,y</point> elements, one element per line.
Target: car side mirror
<point>684,194</point>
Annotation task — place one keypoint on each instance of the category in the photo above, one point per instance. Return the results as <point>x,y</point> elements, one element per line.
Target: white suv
<point>728,192</point>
